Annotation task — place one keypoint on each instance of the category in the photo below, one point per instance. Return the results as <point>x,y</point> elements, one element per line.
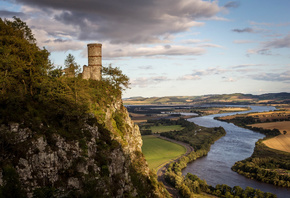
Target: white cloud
<point>148,67</point>
<point>143,82</point>
<point>243,41</point>
<point>189,77</point>
<point>269,24</point>
<point>229,79</point>
<point>197,74</point>
<point>281,77</point>
<point>158,50</point>
<point>210,45</point>
<point>246,65</point>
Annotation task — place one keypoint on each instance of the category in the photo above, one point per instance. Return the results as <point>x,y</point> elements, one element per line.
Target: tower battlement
<point>94,69</point>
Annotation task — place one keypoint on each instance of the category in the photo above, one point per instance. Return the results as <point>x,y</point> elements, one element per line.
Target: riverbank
<point>192,135</point>
<point>237,145</point>
<point>162,169</point>
<point>266,164</point>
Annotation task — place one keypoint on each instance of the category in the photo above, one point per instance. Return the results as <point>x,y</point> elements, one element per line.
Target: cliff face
<point>64,136</point>
<point>107,162</point>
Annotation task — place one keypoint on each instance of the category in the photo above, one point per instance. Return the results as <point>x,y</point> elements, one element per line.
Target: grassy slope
<point>158,151</point>
<point>160,129</point>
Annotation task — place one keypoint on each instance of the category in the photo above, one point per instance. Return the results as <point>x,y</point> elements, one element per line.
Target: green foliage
<point>11,185</point>
<point>115,77</point>
<point>72,69</point>
<point>36,92</point>
<point>40,98</point>
<point>266,165</point>
<point>162,128</point>
<point>247,120</point>
<point>200,138</point>
<point>144,185</point>
<point>119,121</point>
<point>22,66</point>
<point>190,185</point>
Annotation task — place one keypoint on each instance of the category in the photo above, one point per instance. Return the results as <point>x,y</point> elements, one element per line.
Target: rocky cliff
<point>106,162</point>
<point>64,136</point>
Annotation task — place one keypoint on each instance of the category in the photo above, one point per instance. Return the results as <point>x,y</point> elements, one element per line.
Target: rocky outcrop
<point>106,162</point>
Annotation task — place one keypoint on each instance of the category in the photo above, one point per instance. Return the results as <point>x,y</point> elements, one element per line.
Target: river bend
<point>236,145</point>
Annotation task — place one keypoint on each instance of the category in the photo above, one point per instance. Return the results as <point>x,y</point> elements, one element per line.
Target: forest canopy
<point>33,92</point>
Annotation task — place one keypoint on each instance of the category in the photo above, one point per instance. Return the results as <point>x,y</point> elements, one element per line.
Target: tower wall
<point>94,62</point>
<point>86,72</point>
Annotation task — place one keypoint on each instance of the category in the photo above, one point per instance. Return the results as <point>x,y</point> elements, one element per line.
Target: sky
<point>170,47</point>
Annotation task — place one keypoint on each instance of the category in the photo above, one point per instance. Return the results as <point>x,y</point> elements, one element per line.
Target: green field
<point>158,151</point>
<point>165,128</point>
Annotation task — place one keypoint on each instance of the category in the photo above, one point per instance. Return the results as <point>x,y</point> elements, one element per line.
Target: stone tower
<point>94,69</point>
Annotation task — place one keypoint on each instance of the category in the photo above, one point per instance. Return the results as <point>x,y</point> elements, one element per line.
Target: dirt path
<point>161,171</point>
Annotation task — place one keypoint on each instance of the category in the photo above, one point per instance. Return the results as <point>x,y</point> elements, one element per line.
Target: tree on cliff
<point>115,77</point>
<point>23,67</point>
<point>72,69</point>
<point>22,63</point>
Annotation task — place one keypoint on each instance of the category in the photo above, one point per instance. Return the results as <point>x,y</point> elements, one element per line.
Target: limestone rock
<point>106,158</point>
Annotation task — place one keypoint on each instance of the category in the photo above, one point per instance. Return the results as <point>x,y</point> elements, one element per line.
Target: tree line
<point>190,184</point>
<point>266,165</point>
<point>200,138</point>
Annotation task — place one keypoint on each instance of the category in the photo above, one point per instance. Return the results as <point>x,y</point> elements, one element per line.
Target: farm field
<point>158,151</point>
<point>281,142</point>
<point>160,129</point>
<point>262,116</point>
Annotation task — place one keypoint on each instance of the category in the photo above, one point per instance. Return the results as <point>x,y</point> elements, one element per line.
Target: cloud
<point>148,67</point>
<point>209,71</point>
<point>284,76</point>
<point>261,51</point>
<point>193,41</point>
<point>63,43</point>
<point>269,24</point>
<point>201,43</point>
<point>267,47</point>
<point>9,14</point>
<point>197,74</point>
<point>147,81</point>
<point>243,41</point>
<point>127,21</point>
<point>214,18</point>
<point>189,77</point>
<point>279,43</point>
<point>210,45</point>
<point>247,65</point>
<point>232,4</point>
<point>111,51</point>
<point>229,79</point>
<point>248,30</point>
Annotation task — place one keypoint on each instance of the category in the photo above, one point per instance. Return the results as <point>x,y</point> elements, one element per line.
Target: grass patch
<point>161,129</point>
<point>158,151</point>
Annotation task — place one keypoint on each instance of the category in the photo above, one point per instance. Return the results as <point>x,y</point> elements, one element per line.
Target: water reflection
<point>237,145</point>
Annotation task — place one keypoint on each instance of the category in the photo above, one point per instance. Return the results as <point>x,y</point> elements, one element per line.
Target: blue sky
<point>169,47</point>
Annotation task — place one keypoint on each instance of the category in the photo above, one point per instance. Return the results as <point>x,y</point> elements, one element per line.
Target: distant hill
<point>237,98</point>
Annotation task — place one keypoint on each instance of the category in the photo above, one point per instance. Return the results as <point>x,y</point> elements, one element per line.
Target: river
<point>236,145</point>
